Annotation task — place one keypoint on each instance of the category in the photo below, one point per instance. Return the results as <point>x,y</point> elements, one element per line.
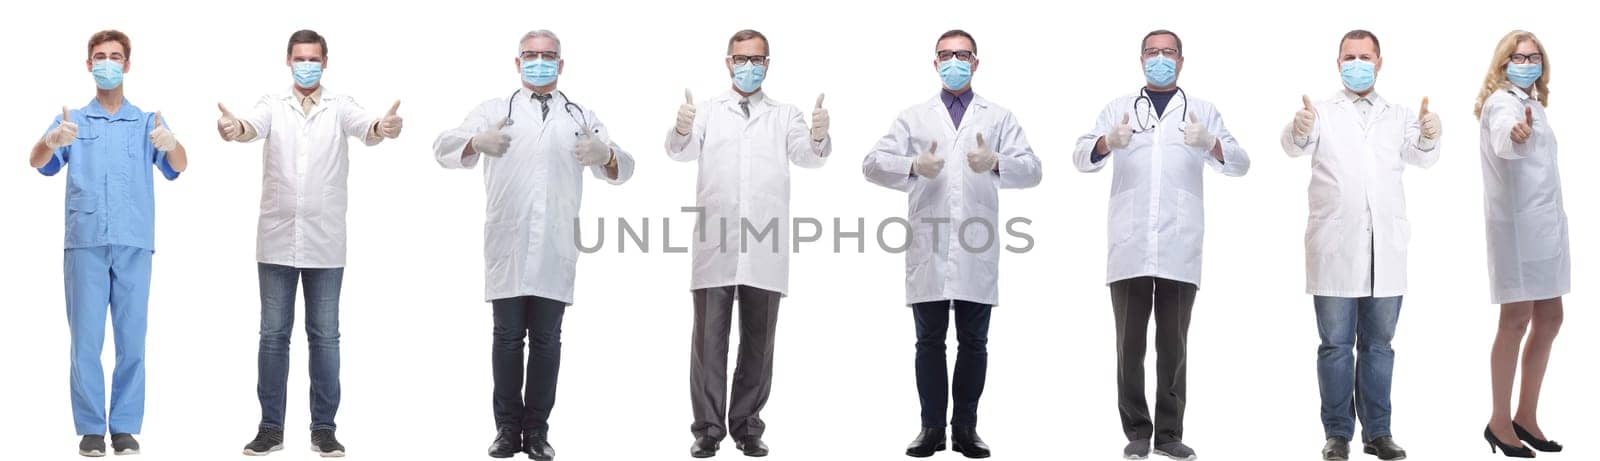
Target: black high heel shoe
<point>1549,446</point>
<point>1510,451</point>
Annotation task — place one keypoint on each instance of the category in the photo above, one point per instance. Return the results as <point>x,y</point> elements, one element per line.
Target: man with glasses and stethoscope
<point>538,143</point>
<point>1161,141</point>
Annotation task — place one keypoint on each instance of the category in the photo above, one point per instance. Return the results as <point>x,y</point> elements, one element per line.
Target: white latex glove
<point>1430,122</point>
<point>389,126</point>
<point>1197,136</point>
<point>63,134</point>
<point>686,114</point>
<point>161,137</point>
<point>982,159</point>
<point>819,121</point>
<point>1522,131</point>
<point>1120,136</point>
<point>228,126</point>
<point>928,165</point>
<point>493,141</point>
<point>1306,119</point>
<point>591,151</point>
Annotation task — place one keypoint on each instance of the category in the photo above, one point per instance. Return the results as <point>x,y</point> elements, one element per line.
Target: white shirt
<point>1156,222</point>
<point>744,173</point>
<point>1357,232</point>
<point>304,175</point>
<point>1525,218</point>
<point>945,261</point>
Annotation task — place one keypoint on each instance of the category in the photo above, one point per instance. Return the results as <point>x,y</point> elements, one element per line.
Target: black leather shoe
<point>704,447</point>
<point>507,443</point>
<point>1337,449</point>
<point>537,445</point>
<point>1510,450</point>
<point>751,446</point>
<point>1542,445</point>
<point>1385,449</point>
<point>965,440</point>
<point>928,442</point>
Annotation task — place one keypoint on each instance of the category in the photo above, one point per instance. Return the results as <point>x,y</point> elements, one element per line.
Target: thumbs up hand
<point>493,141</point>
<point>161,137</point>
<point>1120,136</point>
<point>1429,121</point>
<point>1521,132</point>
<point>929,163</point>
<point>228,126</point>
<point>64,133</point>
<point>686,114</point>
<point>1197,136</point>
<point>389,126</point>
<point>1305,121</point>
<point>819,121</point>
<point>982,159</point>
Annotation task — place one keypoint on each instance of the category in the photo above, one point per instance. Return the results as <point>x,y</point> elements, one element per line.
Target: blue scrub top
<point>111,185</point>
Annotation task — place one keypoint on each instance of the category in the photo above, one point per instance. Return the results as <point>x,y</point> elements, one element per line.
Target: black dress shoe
<point>537,445</point>
<point>1337,449</point>
<point>1510,451</point>
<point>928,442</point>
<point>751,446</point>
<point>1385,449</point>
<point>1542,445</point>
<point>965,440</point>
<point>704,447</point>
<point>507,443</point>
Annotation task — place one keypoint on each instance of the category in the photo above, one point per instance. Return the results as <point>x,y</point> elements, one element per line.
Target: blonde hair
<point>1495,80</point>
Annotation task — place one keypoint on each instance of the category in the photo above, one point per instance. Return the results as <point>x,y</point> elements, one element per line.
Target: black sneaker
<point>124,444</point>
<point>323,442</point>
<point>93,446</point>
<point>266,442</point>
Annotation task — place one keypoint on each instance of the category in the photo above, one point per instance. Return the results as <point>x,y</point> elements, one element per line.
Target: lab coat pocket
<point>500,247</point>
<point>1400,238</point>
<point>1124,218</point>
<point>1539,232</point>
<point>1322,235</point>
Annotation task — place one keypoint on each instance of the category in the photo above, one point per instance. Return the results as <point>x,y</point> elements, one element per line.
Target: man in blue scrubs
<point>113,150</point>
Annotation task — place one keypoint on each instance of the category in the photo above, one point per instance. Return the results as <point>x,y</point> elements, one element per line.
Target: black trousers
<point>972,360</point>
<point>539,320</point>
<point>1133,301</point>
<point>715,415</point>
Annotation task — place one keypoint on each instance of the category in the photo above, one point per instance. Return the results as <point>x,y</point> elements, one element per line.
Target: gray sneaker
<point>93,446</point>
<point>124,444</point>
<point>1176,450</point>
<point>1138,449</point>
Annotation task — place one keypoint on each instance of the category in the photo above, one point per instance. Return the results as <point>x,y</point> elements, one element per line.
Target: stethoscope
<point>569,106</point>
<point>1149,112</point>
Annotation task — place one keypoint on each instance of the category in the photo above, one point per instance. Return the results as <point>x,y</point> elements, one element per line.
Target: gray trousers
<point>1133,301</point>
<point>708,360</point>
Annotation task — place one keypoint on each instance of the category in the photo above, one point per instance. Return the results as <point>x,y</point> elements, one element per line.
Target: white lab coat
<point>1357,231</point>
<point>1526,223</point>
<point>533,193</point>
<point>305,166</point>
<point>744,172</point>
<point>938,266</point>
<point>1156,224</point>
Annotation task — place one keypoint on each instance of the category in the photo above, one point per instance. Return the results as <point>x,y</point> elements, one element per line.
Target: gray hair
<point>540,33</point>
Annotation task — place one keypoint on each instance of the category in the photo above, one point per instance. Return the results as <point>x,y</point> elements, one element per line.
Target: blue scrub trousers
<point>118,276</point>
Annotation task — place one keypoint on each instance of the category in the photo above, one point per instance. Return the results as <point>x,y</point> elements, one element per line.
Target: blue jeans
<point>119,277</point>
<point>322,331</point>
<point>1355,364</point>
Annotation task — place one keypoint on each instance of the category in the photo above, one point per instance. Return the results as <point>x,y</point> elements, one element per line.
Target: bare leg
<point>1514,319</point>
<point>1546,323</point>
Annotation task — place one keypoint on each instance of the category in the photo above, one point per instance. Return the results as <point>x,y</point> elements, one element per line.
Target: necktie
<point>544,105</point>
<point>745,104</point>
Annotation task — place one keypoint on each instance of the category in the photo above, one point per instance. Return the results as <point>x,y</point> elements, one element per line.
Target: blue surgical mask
<point>107,74</point>
<point>1358,75</point>
<point>540,72</point>
<point>1524,75</point>
<point>748,77</point>
<point>307,74</point>
<point>955,73</point>
<point>1160,70</point>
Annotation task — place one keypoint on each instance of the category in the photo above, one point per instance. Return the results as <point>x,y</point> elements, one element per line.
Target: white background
<point>416,333</point>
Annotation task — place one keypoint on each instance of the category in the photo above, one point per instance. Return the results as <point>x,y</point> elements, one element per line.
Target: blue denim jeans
<point>1355,364</point>
<point>278,285</point>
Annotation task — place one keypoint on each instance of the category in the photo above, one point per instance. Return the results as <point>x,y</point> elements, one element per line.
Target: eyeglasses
<point>1168,52</point>
<point>546,55</point>
<point>962,55</point>
<point>114,57</point>
<point>1534,58</point>
<point>739,60</point>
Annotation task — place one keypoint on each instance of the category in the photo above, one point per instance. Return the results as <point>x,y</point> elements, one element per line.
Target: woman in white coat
<point>1529,266</point>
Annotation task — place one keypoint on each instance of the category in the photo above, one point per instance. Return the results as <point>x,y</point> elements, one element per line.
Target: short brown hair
<point>1161,32</point>
<point>958,33</point>
<point>1359,34</point>
<point>307,36</point>
<point>110,35</point>
<point>750,34</point>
